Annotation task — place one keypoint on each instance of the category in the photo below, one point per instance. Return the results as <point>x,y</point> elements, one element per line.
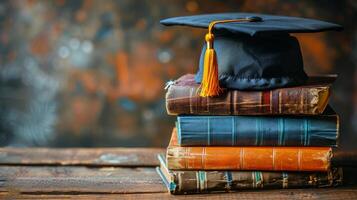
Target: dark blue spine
<point>319,130</point>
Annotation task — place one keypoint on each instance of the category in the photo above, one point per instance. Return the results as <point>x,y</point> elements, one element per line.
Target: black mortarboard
<point>249,51</point>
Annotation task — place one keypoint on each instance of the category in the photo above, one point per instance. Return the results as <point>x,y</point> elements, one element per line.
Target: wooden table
<point>111,173</point>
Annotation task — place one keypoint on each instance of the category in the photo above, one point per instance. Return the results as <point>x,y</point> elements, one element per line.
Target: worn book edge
<point>164,174</point>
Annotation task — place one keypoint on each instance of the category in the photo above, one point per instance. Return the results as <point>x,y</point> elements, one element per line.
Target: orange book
<point>247,158</point>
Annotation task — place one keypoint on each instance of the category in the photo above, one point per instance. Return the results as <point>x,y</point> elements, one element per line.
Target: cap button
<point>209,37</point>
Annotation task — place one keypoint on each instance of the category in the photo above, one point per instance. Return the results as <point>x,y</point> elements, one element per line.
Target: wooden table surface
<point>111,173</point>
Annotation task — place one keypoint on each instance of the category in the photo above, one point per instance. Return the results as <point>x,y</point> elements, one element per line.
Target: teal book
<point>319,130</point>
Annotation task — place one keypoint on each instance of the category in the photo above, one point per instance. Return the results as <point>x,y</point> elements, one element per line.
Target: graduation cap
<point>248,51</point>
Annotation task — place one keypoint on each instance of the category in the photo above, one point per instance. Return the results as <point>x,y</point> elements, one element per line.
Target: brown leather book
<point>247,158</point>
<point>194,181</point>
<point>308,99</point>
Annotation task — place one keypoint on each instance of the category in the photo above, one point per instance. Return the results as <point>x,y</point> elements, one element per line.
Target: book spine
<point>185,182</point>
<point>258,131</point>
<point>297,100</point>
<point>249,158</point>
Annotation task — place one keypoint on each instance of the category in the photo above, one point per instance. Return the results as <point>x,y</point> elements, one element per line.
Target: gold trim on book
<point>285,180</point>
<point>299,159</point>
<point>203,156</point>
<point>271,101</point>
<point>302,99</point>
<point>241,163</point>
<point>190,100</point>
<point>185,157</point>
<point>337,130</point>
<point>279,101</point>
<point>274,156</point>
<point>198,181</point>
<point>261,108</point>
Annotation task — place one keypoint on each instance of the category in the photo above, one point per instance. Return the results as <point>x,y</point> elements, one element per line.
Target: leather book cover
<point>190,182</point>
<point>214,130</point>
<point>247,158</point>
<point>308,99</point>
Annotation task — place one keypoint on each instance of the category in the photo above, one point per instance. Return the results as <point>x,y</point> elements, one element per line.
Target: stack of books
<point>278,138</point>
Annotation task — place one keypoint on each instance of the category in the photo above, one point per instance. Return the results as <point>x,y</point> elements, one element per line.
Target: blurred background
<point>91,73</point>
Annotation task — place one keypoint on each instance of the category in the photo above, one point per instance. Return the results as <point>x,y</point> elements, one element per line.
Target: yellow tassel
<point>210,83</point>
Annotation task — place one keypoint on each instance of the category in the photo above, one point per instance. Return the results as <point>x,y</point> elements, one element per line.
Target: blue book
<point>320,130</point>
